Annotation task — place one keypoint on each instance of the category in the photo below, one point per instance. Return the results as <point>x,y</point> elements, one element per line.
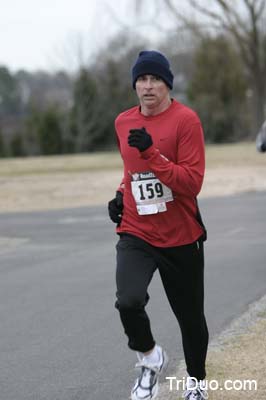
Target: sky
<point>42,34</point>
<point>57,34</point>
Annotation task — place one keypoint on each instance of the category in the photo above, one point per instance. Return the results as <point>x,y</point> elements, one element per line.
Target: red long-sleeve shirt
<point>177,160</point>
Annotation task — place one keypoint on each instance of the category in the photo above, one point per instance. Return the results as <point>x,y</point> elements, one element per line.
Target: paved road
<point>60,337</point>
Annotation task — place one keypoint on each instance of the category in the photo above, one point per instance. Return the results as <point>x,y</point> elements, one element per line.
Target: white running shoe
<point>195,392</point>
<point>146,386</point>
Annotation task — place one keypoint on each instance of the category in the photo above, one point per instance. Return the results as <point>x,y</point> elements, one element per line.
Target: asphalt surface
<point>60,336</point>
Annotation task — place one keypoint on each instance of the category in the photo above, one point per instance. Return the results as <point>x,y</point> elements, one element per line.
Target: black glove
<point>115,208</point>
<point>140,139</point>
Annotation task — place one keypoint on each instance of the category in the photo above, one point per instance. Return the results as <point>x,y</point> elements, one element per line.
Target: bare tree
<point>245,21</point>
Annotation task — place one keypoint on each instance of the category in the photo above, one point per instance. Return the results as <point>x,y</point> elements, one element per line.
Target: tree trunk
<point>259,104</point>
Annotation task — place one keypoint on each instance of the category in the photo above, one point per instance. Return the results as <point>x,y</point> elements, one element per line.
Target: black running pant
<point>181,270</point>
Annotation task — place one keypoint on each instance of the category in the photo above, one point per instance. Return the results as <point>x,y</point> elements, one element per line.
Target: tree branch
<point>261,8</point>
<point>193,26</point>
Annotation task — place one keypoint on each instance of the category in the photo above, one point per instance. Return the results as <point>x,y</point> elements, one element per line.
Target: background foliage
<point>220,73</point>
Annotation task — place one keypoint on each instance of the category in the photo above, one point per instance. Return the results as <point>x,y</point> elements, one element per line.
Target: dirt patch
<point>57,190</point>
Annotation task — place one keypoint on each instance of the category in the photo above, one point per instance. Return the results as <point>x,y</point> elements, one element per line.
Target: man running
<point>155,208</point>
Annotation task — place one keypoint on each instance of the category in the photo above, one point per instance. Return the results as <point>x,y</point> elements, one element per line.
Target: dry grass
<point>59,164</point>
<point>239,359</point>
<point>242,358</point>
<point>234,155</point>
<point>233,168</point>
<point>227,155</point>
<point>53,182</point>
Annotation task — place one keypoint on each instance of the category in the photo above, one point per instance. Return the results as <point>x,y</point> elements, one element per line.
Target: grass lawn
<point>237,154</point>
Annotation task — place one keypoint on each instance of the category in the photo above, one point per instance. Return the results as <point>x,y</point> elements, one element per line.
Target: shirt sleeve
<point>186,176</point>
<point>121,187</point>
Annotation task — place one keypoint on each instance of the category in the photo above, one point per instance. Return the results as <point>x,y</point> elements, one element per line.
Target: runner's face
<point>152,91</point>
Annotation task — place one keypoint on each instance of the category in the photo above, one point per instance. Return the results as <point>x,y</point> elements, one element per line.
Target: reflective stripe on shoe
<point>146,386</point>
<point>195,394</point>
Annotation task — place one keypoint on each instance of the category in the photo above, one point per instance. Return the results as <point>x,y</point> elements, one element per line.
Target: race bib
<point>150,194</point>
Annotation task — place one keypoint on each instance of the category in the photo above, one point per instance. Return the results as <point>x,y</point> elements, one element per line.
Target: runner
<point>155,208</point>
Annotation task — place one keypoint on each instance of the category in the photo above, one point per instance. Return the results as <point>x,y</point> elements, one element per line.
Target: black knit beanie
<point>153,63</point>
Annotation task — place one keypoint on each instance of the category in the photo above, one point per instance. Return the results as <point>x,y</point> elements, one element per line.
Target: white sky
<point>60,34</point>
<point>46,34</point>
<point>36,34</point>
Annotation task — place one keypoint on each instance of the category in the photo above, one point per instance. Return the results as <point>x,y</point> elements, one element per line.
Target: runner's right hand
<point>115,208</point>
